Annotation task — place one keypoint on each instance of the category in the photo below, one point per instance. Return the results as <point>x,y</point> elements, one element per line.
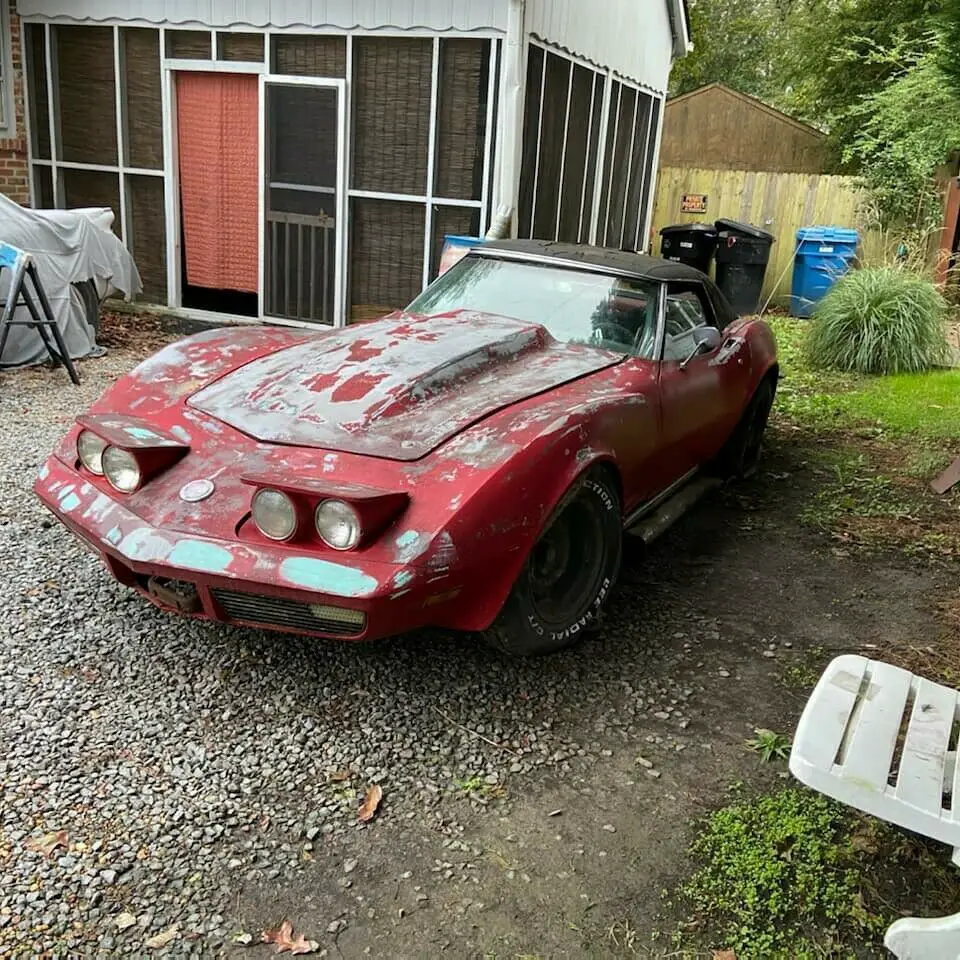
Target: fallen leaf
<point>370,804</point>
<point>284,940</point>
<point>48,842</point>
<point>340,775</point>
<point>244,939</point>
<point>124,921</point>
<point>162,939</point>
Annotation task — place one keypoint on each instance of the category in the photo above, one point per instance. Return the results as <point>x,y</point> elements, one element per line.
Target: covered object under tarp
<point>79,260</point>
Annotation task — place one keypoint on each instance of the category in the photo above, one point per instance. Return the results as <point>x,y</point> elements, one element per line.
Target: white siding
<point>460,15</point>
<point>632,37</point>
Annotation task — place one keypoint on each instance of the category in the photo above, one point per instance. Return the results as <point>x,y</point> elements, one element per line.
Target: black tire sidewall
<point>730,462</point>
<point>520,632</point>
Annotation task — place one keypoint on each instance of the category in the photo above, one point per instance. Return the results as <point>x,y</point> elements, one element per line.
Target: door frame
<point>340,229</point>
<point>170,67</point>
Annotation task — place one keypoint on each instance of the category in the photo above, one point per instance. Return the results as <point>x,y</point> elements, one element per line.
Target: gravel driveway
<point>207,778</point>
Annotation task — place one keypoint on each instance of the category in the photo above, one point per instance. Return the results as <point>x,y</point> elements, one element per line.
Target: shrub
<point>882,319</point>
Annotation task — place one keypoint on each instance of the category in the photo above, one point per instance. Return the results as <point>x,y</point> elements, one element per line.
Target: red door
<point>217,116</point>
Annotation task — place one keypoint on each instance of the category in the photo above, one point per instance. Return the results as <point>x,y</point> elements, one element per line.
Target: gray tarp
<point>69,248</point>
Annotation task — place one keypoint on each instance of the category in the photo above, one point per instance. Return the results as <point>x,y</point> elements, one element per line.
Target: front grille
<point>278,612</point>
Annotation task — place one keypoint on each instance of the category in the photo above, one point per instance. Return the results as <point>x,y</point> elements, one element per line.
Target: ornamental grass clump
<point>882,319</point>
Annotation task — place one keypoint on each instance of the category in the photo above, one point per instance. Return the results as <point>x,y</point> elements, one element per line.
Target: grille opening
<point>280,612</point>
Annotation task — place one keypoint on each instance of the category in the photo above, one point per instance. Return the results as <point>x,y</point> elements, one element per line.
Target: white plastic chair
<point>846,746</point>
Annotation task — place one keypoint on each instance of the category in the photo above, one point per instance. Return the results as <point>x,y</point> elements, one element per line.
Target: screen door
<point>304,199</point>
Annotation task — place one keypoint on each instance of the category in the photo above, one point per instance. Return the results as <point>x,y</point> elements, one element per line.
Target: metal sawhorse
<point>21,266</point>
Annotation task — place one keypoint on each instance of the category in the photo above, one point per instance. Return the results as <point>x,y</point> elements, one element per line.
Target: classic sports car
<point>470,462</point>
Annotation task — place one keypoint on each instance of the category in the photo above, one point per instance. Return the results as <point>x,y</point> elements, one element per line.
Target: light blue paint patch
<point>180,433</point>
<point>410,544</point>
<point>197,555</point>
<point>140,433</point>
<point>402,578</point>
<point>114,535</point>
<point>70,502</point>
<point>327,577</point>
<point>44,472</point>
<point>143,544</point>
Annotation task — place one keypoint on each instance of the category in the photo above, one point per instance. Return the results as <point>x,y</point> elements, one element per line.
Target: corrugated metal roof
<point>465,15</point>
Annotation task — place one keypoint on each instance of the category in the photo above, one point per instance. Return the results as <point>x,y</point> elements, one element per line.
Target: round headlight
<point>338,524</point>
<point>91,447</point>
<point>121,469</point>
<point>274,514</point>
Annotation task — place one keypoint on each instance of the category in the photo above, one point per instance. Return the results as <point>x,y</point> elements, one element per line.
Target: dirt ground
<point>726,606</point>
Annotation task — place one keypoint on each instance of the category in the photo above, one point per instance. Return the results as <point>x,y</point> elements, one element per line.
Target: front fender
<point>507,515</point>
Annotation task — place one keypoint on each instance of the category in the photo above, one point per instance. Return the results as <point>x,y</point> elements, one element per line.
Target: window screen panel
<point>455,221</point>
<point>146,219</point>
<point>638,159</point>
<point>92,188</point>
<point>35,48</point>
<point>648,172</point>
<point>553,115</point>
<point>391,122</point>
<point>531,130</point>
<point>593,153</point>
<point>607,171</point>
<point>86,94</point>
<point>43,188</point>
<point>621,160</point>
<point>575,165</point>
<point>310,56</point>
<point>143,113</point>
<point>386,255</point>
<point>188,44</point>
<point>461,118</point>
<point>240,46</point>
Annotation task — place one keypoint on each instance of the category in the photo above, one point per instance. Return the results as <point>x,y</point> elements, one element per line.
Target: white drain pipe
<point>511,123</point>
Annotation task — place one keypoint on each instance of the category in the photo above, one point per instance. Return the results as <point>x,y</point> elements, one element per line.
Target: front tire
<point>568,576</point>
<point>740,456</point>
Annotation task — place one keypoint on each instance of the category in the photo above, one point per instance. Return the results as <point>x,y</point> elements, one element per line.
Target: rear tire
<point>740,455</point>
<point>568,576</point>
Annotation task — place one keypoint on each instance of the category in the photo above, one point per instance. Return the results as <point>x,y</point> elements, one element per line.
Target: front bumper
<point>275,587</point>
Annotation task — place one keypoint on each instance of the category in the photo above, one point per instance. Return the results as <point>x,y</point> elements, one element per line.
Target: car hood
<point>396,388</point>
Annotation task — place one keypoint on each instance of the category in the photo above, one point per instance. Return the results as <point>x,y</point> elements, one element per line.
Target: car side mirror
<point>707,340</point>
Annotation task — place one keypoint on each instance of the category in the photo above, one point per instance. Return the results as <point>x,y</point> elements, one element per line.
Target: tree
<point>734,42</point>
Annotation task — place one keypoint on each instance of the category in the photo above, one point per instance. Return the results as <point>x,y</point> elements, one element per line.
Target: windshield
<point>576,306</point>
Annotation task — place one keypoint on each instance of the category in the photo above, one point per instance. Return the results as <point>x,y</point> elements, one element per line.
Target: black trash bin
<point>689,243</point>
<point>742,254</point>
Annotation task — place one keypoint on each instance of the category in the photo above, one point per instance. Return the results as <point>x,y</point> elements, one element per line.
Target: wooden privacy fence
<point>779,203</point>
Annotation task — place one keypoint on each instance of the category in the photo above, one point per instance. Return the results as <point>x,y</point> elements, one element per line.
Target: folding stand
<point>22,267</point>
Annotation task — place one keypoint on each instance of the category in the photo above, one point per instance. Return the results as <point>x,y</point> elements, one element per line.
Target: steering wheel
<point>608,330</point>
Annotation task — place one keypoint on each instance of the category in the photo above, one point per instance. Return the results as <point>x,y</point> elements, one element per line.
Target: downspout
<point>511,123</point>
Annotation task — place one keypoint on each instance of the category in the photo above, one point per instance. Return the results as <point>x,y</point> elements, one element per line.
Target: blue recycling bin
<point>823,254</point>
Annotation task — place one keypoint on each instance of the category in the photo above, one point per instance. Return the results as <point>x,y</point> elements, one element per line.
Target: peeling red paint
<point>480,423</point>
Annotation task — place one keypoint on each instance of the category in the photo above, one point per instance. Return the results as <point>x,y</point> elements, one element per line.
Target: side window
<point>687,310</point>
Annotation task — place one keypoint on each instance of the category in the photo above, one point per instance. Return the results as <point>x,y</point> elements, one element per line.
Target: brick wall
<point>13,151</point>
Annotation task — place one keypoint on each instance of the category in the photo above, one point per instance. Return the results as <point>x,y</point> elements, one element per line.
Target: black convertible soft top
<point>621,262</point>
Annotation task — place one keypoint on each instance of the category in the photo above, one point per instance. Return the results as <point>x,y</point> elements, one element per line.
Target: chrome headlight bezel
<point>118,463</point>
<point>260,510</point>
<point>92,459</point>
<point>331,514</point>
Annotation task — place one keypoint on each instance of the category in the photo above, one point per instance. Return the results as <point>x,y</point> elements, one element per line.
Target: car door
<point>699,389</point>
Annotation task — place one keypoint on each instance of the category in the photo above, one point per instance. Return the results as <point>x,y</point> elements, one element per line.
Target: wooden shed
<point>717,128</point>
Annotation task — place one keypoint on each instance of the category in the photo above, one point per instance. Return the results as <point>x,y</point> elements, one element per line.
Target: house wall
<point>632,37</point>
<point>716,128</point>
<point>14,181</point>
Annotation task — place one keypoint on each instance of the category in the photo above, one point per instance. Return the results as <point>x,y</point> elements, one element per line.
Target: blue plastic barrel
<point>823,254</point>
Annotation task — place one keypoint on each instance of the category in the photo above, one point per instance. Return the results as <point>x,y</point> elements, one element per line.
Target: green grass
<point>926,405</point>
<point>779,879</point>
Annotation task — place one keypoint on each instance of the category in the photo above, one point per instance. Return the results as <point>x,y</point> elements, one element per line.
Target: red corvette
<point>468,463</point>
